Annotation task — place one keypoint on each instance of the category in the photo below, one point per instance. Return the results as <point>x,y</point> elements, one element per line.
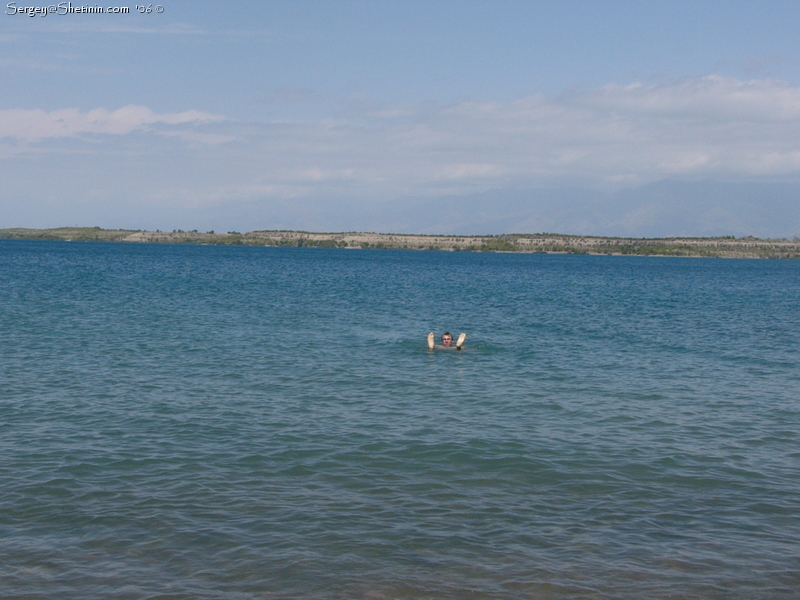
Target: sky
<point>602,118</point>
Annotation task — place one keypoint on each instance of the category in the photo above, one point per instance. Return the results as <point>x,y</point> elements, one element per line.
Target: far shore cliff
<point>724,247</point>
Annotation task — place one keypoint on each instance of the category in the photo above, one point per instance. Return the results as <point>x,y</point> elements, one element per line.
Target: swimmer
<point>447,340</point>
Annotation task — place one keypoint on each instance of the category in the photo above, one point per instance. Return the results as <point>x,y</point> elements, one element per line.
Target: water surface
<point>232,422</point>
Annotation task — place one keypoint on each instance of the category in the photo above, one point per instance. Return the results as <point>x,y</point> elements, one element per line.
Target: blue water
<point>226,422</point>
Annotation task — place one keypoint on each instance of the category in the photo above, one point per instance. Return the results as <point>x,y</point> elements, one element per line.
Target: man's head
<point>447,339</point>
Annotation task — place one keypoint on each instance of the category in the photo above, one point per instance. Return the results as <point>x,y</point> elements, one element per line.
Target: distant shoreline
<point>550,243</point>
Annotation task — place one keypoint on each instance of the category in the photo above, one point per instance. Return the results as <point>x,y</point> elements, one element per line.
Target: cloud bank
<point>608,138</point>
<point>35,125</point>
<point>703,127</point>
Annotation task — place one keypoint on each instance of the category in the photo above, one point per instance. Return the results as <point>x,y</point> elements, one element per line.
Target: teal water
<point>222,422</point>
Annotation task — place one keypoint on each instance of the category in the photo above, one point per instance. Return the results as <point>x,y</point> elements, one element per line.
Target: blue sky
<point>392,115</point>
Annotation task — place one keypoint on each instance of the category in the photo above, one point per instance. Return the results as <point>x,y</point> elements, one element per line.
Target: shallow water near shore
<point>235,422</point>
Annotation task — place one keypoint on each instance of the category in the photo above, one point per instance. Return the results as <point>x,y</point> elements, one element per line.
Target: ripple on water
<point>195,422</point>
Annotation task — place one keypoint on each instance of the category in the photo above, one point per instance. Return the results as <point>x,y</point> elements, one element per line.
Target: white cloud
<point>223,194</point>
<point>466,171</point>
<point>709,127</point>
<point>713,98</point>
<point>316,174</point>
<point>36,124</point>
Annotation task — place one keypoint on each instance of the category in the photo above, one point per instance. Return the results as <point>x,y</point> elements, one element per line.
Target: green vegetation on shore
<point>725,246</point>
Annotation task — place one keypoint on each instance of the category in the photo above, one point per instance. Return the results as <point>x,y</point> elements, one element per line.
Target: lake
<point>238,422</point>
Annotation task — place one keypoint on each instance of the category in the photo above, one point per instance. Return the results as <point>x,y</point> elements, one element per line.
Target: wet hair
<point>447,333</point>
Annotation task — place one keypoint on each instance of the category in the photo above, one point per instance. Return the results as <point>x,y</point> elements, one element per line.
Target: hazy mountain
<point>662,209</point>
